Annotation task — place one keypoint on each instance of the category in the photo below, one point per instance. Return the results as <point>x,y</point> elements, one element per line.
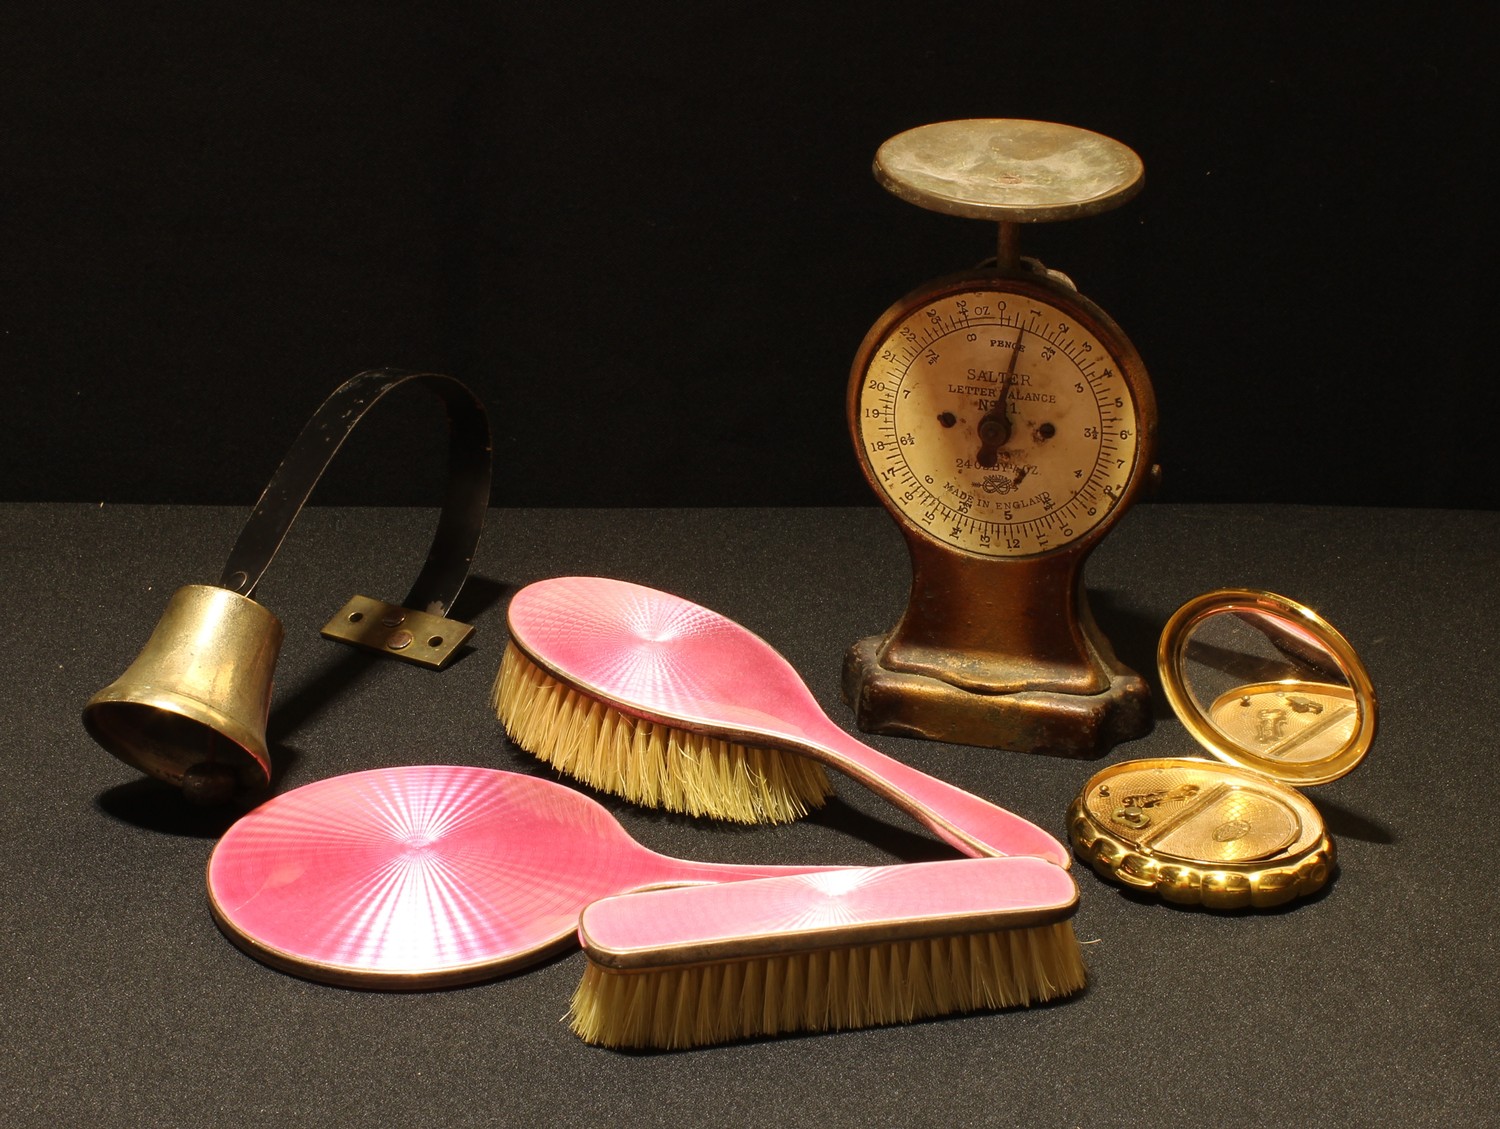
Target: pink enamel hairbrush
<point>428,876</point>
<point>646,695</point>
<point>841,949</point>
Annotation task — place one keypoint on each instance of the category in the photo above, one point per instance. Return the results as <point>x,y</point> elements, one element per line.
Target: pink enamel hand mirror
<point>428,876</point>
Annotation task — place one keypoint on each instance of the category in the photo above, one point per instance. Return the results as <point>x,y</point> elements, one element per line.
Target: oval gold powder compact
<point>1280,698</point>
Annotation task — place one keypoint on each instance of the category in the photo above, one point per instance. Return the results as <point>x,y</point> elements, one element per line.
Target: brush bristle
<point>649,763</point>
<point>828,990</point>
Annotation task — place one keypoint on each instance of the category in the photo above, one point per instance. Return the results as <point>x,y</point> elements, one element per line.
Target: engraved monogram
<point>1270,726</point>
<point>1230,831</point>
<point>1133,808</point>
<point>1161,796</point>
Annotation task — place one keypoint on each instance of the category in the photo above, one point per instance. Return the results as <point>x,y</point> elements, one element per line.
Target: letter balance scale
<point>1006,423</point>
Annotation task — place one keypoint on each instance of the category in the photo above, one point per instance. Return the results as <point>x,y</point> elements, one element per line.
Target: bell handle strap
<point>462,517</point>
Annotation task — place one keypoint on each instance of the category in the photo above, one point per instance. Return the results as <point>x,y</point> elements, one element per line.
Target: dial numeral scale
<point>1072,430</point>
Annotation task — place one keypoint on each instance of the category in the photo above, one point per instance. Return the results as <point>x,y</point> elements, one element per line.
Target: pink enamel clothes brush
<point>428,876</point>
<point>644,694</point>
<point>687,967</point>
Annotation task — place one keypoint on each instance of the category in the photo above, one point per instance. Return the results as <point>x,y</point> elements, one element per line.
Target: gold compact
<point>1273,691</point>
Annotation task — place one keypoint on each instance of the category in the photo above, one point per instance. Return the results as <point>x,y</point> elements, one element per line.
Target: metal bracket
<point>417,637</point>
<point>364,622</point>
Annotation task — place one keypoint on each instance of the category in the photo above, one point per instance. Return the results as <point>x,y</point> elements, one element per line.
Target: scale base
<point>1032,721</point>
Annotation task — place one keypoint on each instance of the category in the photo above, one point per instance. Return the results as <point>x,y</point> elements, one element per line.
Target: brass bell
<point>192,708</point>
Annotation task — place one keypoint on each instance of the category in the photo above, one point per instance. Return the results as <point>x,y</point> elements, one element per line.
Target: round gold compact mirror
<point>1280,698</point>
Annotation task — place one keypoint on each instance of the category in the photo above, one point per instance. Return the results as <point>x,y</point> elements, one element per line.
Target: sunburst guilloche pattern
<point>431,873</point>
<point>392,871</point>
<point>836,904</point>
<point>651,649</point>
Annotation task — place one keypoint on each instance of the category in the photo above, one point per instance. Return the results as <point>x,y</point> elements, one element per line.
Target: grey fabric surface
<point>1372,1004</point>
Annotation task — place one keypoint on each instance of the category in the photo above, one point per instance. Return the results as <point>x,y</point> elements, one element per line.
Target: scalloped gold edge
<point>1219,887</point>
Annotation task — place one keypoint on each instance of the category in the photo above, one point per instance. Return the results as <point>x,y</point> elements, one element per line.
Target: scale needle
<point>994,425</point>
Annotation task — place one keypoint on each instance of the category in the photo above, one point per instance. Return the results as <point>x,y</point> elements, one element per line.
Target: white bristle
<point>826,990</point>
<point>648,763</point>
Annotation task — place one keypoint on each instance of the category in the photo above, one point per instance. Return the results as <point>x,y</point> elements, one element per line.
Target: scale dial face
<point>998,418</point>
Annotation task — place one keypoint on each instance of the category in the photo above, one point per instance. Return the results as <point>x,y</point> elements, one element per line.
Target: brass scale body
<point>1006,423</point>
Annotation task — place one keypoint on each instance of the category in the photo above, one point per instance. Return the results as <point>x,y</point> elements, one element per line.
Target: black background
<point>647,236</point>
